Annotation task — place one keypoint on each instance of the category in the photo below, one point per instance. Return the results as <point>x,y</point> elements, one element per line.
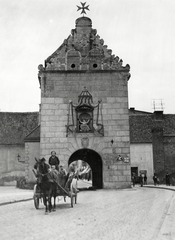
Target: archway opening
<point>93,159</point>
<point>83,173</point>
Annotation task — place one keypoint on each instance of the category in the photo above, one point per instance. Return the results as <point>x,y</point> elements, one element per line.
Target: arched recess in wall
<point>95,59</point>
<point>95,162</point>
<point>73,60</point>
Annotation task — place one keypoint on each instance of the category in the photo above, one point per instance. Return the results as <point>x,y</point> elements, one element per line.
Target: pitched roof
<point>33,136</point>
<point>134,111</point>
<point>14,126</point>
<point>141,126</point>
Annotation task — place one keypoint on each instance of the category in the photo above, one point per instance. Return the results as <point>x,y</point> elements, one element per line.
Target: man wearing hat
<point>54,160</point>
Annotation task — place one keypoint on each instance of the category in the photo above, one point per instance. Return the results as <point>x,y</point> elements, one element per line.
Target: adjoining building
<point>152,137</point>
<point>14,127</point>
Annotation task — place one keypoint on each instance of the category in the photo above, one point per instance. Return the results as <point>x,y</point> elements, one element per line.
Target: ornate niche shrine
<point>85,117</point>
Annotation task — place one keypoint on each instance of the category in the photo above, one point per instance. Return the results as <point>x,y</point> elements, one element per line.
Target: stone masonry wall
<point>158,150</point>
<point>10,167</point>
<point>169,153</point>
<point>32,151</point>
<point>111,88</point>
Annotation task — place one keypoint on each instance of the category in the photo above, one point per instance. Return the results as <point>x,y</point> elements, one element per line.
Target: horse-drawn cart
<point>53,184</point>
<point>71,193</point>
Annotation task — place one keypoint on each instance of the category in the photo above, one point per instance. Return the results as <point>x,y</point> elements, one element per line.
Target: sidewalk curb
<point>15,201</point>
<point>159,187</point>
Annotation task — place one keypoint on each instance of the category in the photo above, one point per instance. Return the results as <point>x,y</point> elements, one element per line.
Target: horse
<point>46,180</point>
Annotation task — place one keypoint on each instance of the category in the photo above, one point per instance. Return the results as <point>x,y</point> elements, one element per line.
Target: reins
<point>41,174</point>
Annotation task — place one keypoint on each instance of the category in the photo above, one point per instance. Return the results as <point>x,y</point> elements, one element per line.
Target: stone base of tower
<point>117,185</point>
<point>116,173</point>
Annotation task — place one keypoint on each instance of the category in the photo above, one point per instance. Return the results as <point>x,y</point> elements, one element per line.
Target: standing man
<point>167,177</point>
<point>133,179</point>
<point>155,179</point>
<point>145,179</point>
<point>141,180</point>
<point>54,160</point>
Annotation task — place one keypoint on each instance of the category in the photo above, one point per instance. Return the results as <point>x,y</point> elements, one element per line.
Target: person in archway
<point>73,170</point>
<point>54,160</point>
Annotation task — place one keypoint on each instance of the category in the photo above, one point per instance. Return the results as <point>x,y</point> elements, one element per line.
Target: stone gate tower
<point>84,107</point>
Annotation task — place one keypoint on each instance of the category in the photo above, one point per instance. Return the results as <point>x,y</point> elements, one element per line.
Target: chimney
<point>158,115</point>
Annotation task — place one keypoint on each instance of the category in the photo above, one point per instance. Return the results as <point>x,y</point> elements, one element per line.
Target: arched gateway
<point>95,162</point>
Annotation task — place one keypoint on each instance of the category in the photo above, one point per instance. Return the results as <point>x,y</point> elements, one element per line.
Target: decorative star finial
<point>83,8</point>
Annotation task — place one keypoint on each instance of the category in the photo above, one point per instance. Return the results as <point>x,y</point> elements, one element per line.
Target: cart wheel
<point>35,197</point>
<point>36,202</point>
<point>72,200</point>
<point>76,198</point>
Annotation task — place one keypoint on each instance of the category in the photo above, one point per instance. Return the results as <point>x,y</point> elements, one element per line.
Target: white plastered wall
<point>142,157</point>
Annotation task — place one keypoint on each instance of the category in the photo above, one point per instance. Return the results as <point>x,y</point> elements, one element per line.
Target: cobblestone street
<point>133,214</point>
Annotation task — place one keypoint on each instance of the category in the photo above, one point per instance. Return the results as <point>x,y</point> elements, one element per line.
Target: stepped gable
<point>83,50</point>
<point>14,126</point>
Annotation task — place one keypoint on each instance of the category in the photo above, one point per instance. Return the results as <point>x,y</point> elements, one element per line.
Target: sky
<point>140,32</point>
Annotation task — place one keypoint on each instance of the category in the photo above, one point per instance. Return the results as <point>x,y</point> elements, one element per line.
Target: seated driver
<point>54,161</point>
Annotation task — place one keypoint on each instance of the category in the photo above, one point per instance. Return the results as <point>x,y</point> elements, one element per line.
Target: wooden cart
<point>71,193</point>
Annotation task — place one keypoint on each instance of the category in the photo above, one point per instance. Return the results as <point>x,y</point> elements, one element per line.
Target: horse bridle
<point>41,174</point>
